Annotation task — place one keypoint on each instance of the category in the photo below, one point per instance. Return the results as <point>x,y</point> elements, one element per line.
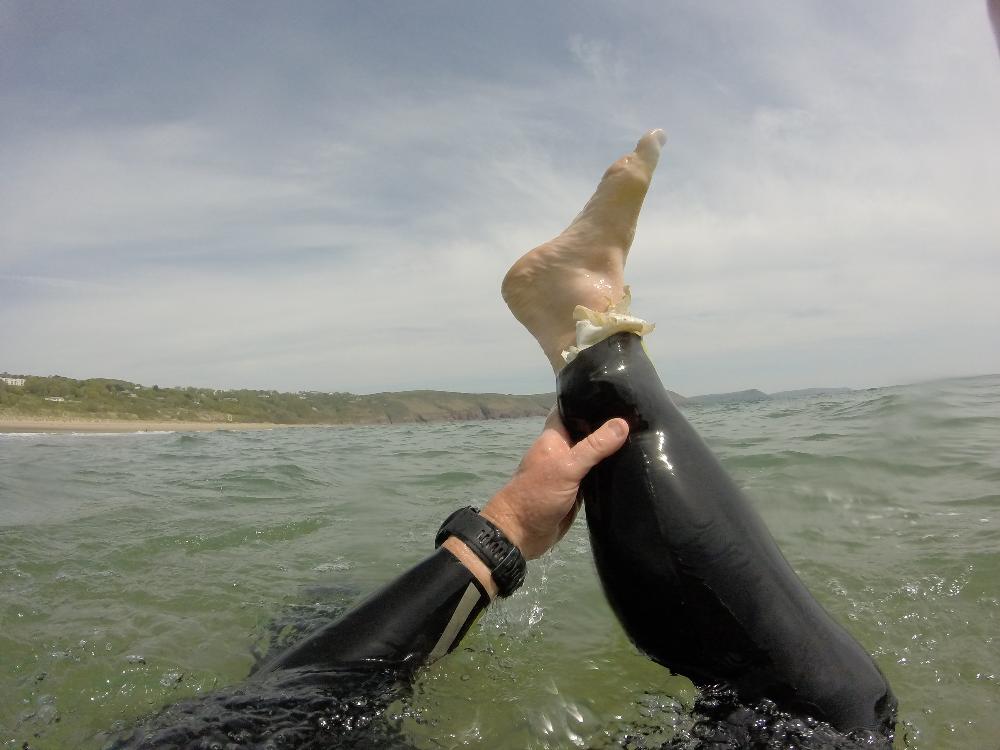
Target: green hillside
<point>98,398</point>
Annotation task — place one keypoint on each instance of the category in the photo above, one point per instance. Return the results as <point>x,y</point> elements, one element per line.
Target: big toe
<point>635,169</point>
<point>613,210</point>
<point>648,147</point>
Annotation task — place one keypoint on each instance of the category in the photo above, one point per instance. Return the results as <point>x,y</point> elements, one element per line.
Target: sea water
<point>139,569</point>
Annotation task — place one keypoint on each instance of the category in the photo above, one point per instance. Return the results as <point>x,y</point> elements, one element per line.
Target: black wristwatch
<point>504,559</point>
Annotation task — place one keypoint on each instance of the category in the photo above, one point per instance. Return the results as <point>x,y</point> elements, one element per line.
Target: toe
<point>648,147</point>
<point>637,167</point>
<point>610,216</point>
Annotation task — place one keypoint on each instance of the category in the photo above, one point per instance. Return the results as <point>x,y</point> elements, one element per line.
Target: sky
<point>326,195</point>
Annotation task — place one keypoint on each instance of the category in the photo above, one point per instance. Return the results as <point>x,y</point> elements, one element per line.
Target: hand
<point>537,507</point>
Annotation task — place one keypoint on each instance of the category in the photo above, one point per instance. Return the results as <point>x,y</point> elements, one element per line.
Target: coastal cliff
<point>57,398</point>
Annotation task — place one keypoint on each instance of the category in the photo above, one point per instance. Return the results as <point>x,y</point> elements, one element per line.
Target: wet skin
<point>585,264</point>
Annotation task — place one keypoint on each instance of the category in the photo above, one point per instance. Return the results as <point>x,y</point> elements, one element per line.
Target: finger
<point>598,445</point>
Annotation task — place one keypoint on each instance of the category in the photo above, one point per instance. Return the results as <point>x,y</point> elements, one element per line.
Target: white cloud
<point>598,59</point>
<point>829,183</point>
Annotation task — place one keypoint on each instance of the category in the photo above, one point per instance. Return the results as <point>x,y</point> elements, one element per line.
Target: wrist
<point>495,512</point>
<point>477,535</point>
<point>501,512</point>
<point>470,560</point>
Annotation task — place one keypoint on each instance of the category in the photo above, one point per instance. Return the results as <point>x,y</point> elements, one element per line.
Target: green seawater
<point>139,569</point>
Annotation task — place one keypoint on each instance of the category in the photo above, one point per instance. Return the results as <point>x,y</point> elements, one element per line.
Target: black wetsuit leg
<point>689,567</point>
<point>330,689</point>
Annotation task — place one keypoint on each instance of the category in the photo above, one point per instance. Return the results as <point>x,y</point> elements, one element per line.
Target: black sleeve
<point>331,689</point>
<point>419,617</point>
<point>688,565</point>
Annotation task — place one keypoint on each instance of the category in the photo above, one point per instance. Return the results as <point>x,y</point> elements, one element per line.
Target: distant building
<point>13,381</point>
<point>57,399</point>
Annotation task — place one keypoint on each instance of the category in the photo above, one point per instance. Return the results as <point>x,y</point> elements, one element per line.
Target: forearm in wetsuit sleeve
<point>330,689</point>
<point>414,620</point>
<point>689,567</point>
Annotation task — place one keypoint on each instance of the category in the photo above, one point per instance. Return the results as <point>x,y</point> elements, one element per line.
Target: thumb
<point>598,445</point>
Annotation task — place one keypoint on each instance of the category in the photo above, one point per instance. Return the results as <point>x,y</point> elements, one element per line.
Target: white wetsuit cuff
<point>593,327</point>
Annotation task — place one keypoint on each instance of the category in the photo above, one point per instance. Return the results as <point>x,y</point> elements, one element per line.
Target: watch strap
<point>498,553</point>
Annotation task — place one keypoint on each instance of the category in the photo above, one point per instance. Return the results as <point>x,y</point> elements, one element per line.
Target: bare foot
<point>585,265</point>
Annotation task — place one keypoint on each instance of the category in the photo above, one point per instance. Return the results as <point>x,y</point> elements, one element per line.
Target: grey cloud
<point>307,198</point>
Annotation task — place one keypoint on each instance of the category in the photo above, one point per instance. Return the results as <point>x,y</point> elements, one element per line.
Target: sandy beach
<point>15,424</point>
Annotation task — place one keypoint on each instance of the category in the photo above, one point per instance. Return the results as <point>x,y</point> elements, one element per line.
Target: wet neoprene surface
<point>329,689</point>
<point>399,625</point>
<point>688,565</point>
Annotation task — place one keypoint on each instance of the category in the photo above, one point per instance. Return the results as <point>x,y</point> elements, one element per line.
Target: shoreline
<point>42,425</point>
